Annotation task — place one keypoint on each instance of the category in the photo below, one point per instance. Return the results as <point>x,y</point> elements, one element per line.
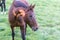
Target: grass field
<point>48,19</point>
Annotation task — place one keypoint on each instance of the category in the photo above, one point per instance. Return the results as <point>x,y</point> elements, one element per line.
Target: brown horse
<point>21,14</point>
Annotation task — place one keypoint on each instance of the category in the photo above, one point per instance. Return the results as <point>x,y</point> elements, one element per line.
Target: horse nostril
<point>36,28</point>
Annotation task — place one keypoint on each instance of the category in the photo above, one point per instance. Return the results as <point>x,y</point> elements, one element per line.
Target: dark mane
<point>19,4</point>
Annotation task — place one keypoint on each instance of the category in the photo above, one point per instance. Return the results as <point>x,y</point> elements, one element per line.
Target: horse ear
<point>33,6</point>
<point>30,5</point>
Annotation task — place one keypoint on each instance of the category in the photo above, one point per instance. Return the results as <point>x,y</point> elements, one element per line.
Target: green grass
<point>48,19</point>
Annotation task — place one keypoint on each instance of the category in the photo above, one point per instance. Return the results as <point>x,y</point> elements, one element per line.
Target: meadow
<point>48,18</point>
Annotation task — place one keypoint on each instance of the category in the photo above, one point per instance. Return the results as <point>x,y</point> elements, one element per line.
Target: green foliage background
<point>48,19</point>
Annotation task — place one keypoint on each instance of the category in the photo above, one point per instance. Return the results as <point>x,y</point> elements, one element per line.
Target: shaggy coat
<point>21,14</point>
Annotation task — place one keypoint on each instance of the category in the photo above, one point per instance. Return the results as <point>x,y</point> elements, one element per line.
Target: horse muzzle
<point>34,28</point>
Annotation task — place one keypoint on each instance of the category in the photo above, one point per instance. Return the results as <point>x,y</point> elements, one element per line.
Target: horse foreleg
<point>25,29</point>
<point>13,34</point>
<point>1,8</point>
<point>22,32</point>
<point>4,7</point>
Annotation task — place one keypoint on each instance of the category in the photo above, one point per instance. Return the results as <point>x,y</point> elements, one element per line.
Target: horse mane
<point>19,4</point>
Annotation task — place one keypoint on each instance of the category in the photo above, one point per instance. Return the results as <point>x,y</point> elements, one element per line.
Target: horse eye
<point>31,16</point>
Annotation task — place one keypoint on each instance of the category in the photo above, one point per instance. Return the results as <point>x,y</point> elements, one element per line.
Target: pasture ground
<point>47,16</point>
